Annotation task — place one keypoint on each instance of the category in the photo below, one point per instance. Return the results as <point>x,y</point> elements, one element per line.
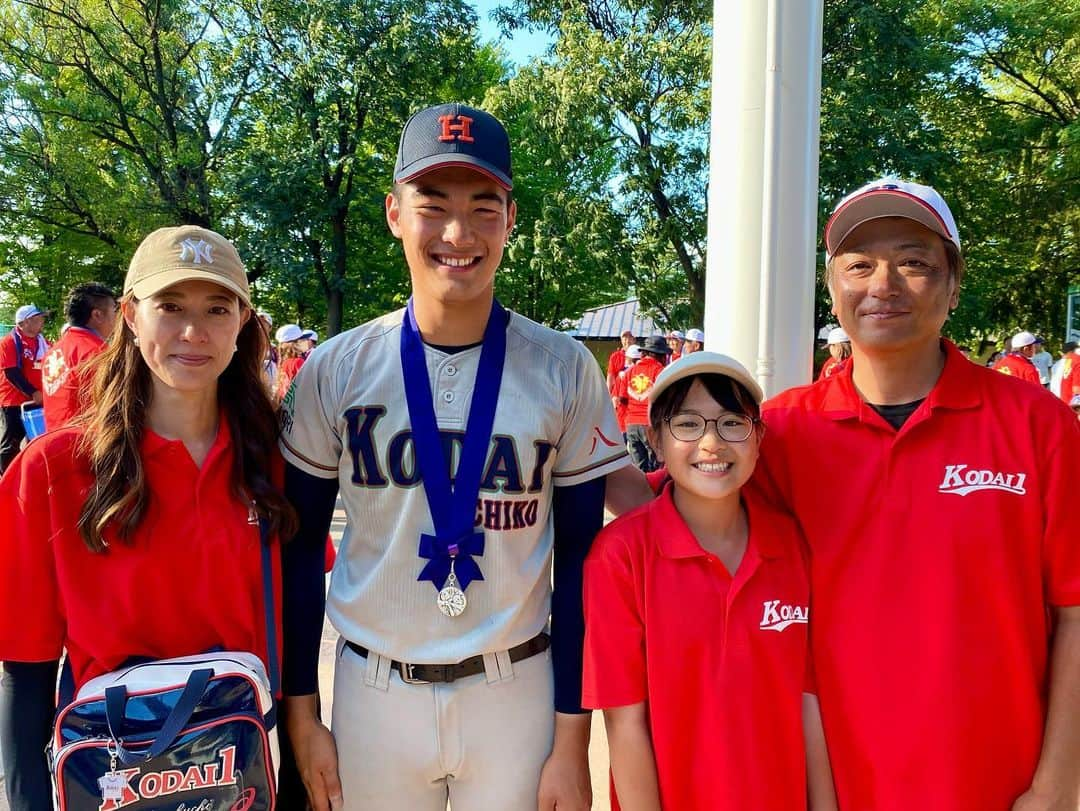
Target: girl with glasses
<point>697,611</point>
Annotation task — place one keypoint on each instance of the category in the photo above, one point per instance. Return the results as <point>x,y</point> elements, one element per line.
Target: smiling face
<point>710,468</point>
<point>453,224</point>
<point>187,334</point>
<point>891,286</point>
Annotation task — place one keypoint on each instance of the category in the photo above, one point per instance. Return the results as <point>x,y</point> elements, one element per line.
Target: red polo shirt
<point>1018,366</point>
<point>931,577</point>
<point>190,581</point>
<point>615,363</point>
<point>62,378</point>
<point>287,370</point>
<point>720,659</point>
<point>1070,377</point>
<point>639,382</point>
<point>31,366</point>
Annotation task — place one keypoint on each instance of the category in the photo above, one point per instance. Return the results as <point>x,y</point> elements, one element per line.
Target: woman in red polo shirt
<point>696,609</point>
<point>135,531</point>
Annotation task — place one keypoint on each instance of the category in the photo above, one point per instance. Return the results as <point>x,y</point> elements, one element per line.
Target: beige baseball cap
<point>183,253</point>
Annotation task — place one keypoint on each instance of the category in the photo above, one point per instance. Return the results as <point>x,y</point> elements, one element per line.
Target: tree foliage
<point>276,122</point>
<point>638,72</point>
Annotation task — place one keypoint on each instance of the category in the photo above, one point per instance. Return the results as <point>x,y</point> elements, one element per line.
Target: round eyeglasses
<point>690,427</point>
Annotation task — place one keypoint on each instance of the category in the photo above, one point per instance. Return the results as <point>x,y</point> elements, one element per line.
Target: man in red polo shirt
<point>1018,363</point>
<point>617,360</point>
<point>91,313</point>
<point>1069,386</point>
<point>21,353</point>
<point>945,584</point>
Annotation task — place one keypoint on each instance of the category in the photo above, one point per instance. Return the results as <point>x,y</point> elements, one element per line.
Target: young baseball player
<point>469,446</point>
<point>697,607</point>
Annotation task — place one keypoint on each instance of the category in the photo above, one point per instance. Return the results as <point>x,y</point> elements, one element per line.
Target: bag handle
<point>116,702</point>
<point>271,620</point>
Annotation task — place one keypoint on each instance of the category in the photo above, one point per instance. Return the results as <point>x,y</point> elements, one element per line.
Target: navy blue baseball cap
<point>454,135</point>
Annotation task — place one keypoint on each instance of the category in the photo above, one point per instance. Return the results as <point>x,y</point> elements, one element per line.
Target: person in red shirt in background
<point>1069,386</point>
<point>91,313</point>
<point>946,581</point>
<point>696,616</point>
<point>839,351</point>
<point>1017,363</point>
<point>675,340</point>
<point>639,380</point>
<point>293,348</point>
<point>21,354</point>
<point>617,360</point>
<point>619,397</point>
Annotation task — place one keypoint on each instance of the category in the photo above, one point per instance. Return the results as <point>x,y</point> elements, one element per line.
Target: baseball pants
<point>480,742</point>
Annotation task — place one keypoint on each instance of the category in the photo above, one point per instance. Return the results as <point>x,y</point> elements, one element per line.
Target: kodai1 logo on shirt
<point>960,481</point>
<point>777,616</point>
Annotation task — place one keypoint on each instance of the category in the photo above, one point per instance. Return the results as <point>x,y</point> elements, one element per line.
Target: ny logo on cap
<point>456,132</point>
<point>196,252</point>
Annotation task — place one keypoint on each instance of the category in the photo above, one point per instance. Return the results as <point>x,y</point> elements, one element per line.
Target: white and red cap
<point>695,335</point>
<point>890,197</point>
<point>837,336</point>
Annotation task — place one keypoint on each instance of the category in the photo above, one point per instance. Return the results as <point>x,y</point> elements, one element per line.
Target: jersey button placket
<point>451,400</point>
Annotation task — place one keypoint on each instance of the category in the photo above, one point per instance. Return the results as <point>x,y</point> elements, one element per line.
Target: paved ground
<point>597,753</point>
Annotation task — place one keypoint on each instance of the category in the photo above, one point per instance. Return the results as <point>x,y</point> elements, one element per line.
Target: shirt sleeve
<point>32,626</point>
<point>591,444</point>
<point>770,477</point>
<point>614,673</point>
<point>8,359</point>
<point>310,438</point>
<point>1061,552</point>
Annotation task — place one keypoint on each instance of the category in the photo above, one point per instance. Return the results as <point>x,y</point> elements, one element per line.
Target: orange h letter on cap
<point>455,132</point>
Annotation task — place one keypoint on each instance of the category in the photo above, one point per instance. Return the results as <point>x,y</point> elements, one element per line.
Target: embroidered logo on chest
<point>777,616</point>
<point>960,480</point>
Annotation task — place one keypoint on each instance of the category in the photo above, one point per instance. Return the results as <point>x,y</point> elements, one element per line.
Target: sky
<point>522,47</point>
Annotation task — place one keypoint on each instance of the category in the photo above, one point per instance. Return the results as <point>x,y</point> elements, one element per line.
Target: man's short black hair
<point>84,299</point>
<point>1070,346</point>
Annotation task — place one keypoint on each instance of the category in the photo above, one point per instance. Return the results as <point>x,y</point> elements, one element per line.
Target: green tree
<point>117,118</point>
<point>638,70</point>
<point>570,249</point>
<point>1015,94</point>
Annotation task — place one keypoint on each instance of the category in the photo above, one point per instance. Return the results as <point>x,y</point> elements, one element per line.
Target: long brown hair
<point>114,424</point>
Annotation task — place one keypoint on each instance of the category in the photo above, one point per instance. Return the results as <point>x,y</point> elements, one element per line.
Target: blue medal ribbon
<point>452,507</point>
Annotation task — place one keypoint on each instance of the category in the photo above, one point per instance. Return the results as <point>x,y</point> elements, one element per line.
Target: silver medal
<point>452,600</point>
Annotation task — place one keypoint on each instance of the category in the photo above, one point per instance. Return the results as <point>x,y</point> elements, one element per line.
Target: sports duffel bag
<point>185,734</point>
